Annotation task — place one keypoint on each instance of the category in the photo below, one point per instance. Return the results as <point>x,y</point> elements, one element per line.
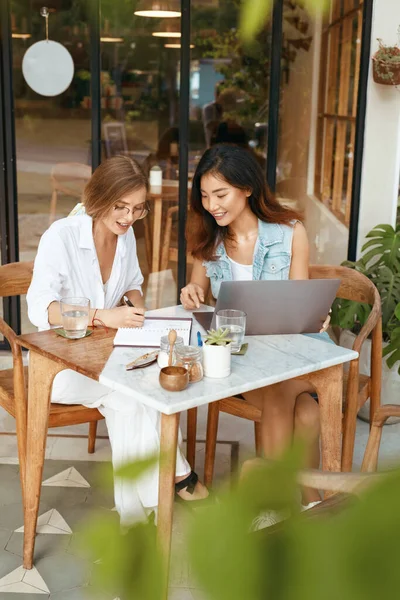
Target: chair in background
<point>14,281</point>
<point>356,388</point>
<point>170,253</point>
<point>69,179</point>
<point>340,485</point>
<point>115,142</point>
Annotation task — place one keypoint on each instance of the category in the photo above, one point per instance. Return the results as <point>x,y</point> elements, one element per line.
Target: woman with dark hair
<point>241,232</point>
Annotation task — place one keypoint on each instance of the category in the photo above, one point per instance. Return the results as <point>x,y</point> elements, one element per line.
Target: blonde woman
<point>93,255</point>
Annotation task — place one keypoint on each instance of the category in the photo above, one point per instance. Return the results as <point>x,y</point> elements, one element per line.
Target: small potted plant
<point>386,64</point>
<point>217,354</point>
<point>380,262</point>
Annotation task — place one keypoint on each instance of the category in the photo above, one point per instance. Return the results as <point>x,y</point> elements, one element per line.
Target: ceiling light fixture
<point>158,9</point>
<point>176,45</point>
<point>21,36</point>
<point>111,39</point>
<point>107,36</point>
<point>168,29</point>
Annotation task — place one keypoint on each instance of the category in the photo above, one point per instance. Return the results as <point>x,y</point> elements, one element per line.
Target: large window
<point>339,79</point>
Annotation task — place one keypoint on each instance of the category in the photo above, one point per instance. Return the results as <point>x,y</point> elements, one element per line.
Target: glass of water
<point>235,322</point>
<point>75,316</point>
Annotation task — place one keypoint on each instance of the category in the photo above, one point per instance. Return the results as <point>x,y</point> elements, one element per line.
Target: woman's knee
<point>306,414</point>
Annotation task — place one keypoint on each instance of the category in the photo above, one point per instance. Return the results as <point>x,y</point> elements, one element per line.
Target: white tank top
<point>241,272</point>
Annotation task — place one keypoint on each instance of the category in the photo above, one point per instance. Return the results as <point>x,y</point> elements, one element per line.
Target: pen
<point>128,302</point>
<point>199,340</point>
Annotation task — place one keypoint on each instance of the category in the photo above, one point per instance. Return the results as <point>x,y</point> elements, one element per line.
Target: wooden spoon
<point>172,339</point>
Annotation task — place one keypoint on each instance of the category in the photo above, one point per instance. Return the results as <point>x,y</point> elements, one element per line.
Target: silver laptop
<point>276,307</point>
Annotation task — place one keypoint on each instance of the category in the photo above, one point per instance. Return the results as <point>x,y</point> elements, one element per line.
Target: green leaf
<point>314,5</point>
<point>253,16</point>
<point>130,562</point>
<point>397,311</point>
<point>225,557</point>
<point>346,313</point>
<point>134,470</point>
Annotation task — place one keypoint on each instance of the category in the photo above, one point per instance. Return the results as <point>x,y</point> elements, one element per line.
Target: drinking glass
<point>75,316</point>
<point>235,322</point>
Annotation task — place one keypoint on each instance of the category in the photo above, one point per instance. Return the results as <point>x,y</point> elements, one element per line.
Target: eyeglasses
<point>139,212</point>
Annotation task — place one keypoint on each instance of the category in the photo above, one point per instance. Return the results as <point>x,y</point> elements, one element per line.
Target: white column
<point>381,159</point>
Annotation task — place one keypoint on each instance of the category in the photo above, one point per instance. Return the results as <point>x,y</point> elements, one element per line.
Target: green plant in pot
<point>386,64</point>
<point>217,353</point>
<point>380,262</point>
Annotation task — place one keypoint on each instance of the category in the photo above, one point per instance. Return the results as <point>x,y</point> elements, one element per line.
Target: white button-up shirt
<point>67,265</point>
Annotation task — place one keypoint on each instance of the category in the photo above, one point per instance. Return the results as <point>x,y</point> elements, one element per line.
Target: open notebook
<point>153,329</point>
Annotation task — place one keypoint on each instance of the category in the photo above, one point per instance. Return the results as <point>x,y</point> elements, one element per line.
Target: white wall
<point>381,160</point>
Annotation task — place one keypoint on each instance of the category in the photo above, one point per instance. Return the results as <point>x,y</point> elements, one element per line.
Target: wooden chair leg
<point>257,436</point>
<point>350,417</point>
<point>376,371</point>
<point>211,442</point>
<point>191,437</point>
<point>167,239</point>
<point>92,436</point>
<point>370,461</point>
<point>148,242</point>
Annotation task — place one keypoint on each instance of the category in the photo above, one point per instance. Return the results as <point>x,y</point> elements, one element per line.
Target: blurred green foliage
<point>380,262</point>
<point>254,14</point>
<point>352,555</point>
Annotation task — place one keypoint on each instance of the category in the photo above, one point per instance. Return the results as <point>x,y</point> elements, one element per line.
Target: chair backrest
<point>15,278</point>
<point>354,285</point>
<point>70,178</point>
<point>115,142</point>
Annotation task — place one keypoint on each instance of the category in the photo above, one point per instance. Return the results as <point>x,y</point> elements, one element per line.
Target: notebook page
<point>150,334</point>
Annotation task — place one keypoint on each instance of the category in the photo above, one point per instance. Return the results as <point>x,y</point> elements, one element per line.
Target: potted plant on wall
<point>386,64</point>
<point>380,262</point>
<point>217,353</point>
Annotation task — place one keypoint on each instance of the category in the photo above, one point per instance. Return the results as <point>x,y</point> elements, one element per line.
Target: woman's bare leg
<point>307,428</point>
<point>277,403</point>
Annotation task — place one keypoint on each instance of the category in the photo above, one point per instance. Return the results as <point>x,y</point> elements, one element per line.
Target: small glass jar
<point>190,358</point>
<point>163,355</point>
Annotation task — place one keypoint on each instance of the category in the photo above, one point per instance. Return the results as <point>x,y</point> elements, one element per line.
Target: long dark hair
<point>239,167</point>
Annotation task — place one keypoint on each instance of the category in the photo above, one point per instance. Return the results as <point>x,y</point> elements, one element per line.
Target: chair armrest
<point>372,320</point>
<point>351,483</point>
<point>10,336</point>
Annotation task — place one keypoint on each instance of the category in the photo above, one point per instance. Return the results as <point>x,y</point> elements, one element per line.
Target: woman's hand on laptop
<point>326,323</point>
<point>192,296</point>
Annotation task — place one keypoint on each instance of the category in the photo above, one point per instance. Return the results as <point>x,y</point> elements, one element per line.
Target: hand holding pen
<point>134,313</point>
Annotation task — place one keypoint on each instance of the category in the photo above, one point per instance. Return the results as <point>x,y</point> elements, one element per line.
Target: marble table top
<point>269,359</point>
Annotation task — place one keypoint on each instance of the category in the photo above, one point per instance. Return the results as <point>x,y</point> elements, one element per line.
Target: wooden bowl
<point>174,379</point>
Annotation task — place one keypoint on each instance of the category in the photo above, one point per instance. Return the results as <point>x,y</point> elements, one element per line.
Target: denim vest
<point>271,259</point>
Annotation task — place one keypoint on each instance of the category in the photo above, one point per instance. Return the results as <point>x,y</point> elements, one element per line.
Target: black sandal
<point>189,483</point>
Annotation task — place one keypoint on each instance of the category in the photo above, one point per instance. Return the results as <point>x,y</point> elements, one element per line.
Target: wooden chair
<point>340,485</point>
<point>69,179</point>
<point>14,281</point>
<point>115,141</point>
<point>170,253</point>
<point>356,388</point>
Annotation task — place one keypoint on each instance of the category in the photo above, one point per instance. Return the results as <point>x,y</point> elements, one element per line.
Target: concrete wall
<point>381,160</point>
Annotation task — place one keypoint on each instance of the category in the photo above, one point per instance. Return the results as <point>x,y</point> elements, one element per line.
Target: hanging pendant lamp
<point>159,9</point>
<point>168,29</point>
